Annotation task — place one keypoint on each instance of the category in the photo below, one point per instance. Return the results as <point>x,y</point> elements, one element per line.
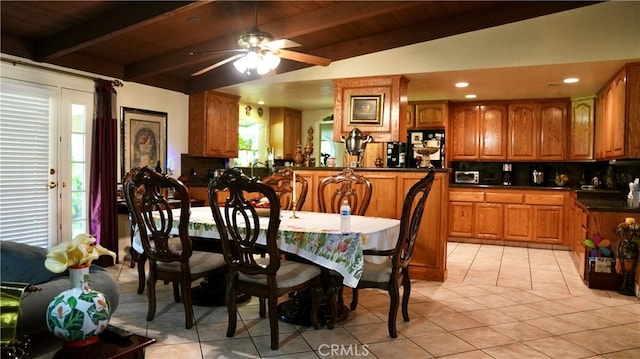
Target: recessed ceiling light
<point>462,84</point>
<point>470,95</point>
<point>571,80</point>
<point>260,102</point>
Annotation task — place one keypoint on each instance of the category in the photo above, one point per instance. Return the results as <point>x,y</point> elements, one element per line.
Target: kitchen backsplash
<point>615,176</point>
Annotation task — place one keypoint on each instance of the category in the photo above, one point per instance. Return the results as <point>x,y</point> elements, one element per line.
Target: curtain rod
<point>114,82</point>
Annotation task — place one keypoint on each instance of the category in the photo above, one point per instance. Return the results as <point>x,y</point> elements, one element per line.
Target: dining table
<point>315,237</point>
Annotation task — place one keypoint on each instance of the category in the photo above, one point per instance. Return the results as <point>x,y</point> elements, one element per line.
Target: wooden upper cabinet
<point>553,137</point>
<point>213,125</point>
<point>493,132</point>
<point>430,114</point>
<point>411,116</point>
<point>581,129</point>
<point>618,116</point>
<point>465,124</point>
<point>523,131</point>
<point>285,132</point>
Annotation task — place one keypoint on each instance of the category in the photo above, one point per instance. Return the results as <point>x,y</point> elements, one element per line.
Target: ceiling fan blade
<point>217,64</point>
<point>281,44</point>
<point>209,52</point>
<point>306,58</point>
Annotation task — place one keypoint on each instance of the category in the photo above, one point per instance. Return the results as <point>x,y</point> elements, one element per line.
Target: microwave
<point>470,177</point>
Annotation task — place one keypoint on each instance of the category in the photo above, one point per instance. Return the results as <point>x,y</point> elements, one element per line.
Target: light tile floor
<point>498,302</point>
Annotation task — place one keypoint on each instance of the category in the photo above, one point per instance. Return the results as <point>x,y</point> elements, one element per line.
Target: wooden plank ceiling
<point>150,42</point>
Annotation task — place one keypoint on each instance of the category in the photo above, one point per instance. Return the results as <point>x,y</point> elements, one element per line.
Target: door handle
<point>52,185</point>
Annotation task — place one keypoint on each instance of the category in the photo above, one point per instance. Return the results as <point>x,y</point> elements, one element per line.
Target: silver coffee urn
<point>355,144</point>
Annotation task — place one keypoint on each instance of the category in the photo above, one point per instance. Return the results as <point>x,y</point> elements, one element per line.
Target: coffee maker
<point>507,169</point>
<point>537,175</point>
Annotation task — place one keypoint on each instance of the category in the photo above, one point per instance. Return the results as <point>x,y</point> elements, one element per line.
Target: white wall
<point>312,119</point>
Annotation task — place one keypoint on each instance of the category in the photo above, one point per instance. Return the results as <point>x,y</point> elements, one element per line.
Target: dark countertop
<point>491,186</point>
<point>606,205</point>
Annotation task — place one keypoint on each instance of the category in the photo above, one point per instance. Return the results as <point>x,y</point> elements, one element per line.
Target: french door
<point>44,162</point>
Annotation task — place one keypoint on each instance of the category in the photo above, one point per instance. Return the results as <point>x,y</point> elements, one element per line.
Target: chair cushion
<point>377,272</point>
<point>289,275</point>
<point>199,262</point>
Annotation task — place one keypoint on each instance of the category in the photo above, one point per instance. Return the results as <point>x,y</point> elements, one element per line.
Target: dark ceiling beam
<point>312,21</point>
<point>126,18</point>
<point>504,13</point>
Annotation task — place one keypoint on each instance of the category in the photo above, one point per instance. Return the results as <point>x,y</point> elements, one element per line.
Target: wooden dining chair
<point>332,190</point>
<point>394,272</point>
<point>346,184</point>
<point>240,228</point>
<point>136,251</point>
<point>170,254</point>
<point>282,183</point>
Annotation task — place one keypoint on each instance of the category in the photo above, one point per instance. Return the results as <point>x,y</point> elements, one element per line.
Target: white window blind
<point>25,113</point>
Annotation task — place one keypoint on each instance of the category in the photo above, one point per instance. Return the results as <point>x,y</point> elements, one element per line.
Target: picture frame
<point>416,138</point>
<point>366,110</point>
<point>144,138</point>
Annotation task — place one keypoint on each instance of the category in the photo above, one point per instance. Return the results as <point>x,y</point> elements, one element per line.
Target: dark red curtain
<point>103,217</point>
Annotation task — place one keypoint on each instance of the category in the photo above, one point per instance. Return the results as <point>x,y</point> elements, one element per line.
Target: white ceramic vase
<point>78,314</point>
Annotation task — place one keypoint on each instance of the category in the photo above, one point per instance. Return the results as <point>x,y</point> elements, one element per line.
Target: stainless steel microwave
<point>471,177</point>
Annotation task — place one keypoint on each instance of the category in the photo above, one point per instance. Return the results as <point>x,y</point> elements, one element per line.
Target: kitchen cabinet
<point>618,116</point>
<point>507,215</point>
<point>285,132</point>
<point>213,125</point>
<point>552,137</point>
<point>537,131</point>
<point>479,132</point>
<point>493,132</point>
<point>581,129</point>
<point>465,133</point>
<point>430,114</point>
<point>523,132</point>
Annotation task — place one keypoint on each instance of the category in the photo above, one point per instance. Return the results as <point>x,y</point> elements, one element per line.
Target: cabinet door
<point>547,224</point>
<point>464,125</point>
<point>581,129</point>
<point>292,133</point>
<point>517,222</point>
<point>222,126</point>
<point>431,115</point>
<point>618,117</point>
<point>600,135</point>
<point>552,133</point>
<point>523,132</point>
<point>411,116</point>
<point>461,216</point>
<point>488,220</point>
<point>493,132</point>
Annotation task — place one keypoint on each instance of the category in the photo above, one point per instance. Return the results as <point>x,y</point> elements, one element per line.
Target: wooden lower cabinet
<point>534,216</point>
<point>488,219</point>
<point>517,222</point>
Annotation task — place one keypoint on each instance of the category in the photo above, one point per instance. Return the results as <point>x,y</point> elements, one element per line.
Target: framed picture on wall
<point>144,138</point>
<point>366,110</point>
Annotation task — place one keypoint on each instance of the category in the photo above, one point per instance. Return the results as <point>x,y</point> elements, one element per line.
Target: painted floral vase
<point>78,314</point>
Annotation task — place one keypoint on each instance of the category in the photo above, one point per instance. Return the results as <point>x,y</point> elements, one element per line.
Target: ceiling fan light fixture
<point>261,62</point>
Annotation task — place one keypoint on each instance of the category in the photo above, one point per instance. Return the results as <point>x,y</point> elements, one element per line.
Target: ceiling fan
<point>259,52</point>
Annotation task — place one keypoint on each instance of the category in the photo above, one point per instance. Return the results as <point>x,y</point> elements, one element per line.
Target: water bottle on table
<point>345,217</point>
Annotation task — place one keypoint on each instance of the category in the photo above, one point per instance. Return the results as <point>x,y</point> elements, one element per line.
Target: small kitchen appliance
<point>507,169</point>
<point>466,177</point>
<point>355,143</point>
<point>416,142</point>
<point>537,175</point>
